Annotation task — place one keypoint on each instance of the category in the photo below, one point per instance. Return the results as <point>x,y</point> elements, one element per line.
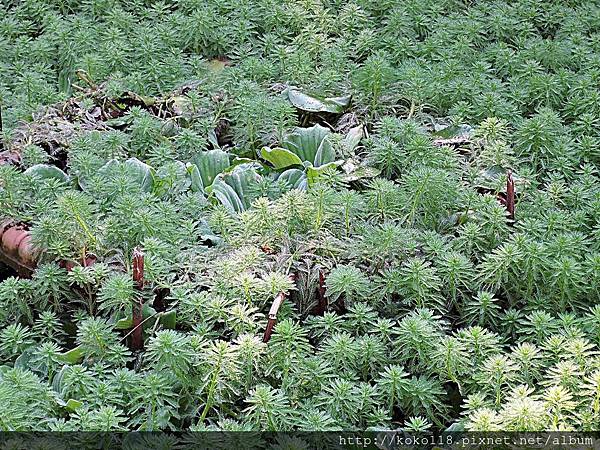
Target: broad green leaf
<point>315,104</point>
<point>491,178</point>
<point>73,356</point>
<point>206,233</point>
<point>47,171</point>
<point>455,427</point>
<point>194,172</point>
<point>73,404</point>
<point>453,220</point>
<point>233,189</point>
<point>120,121</point>
<point>57,380</point>
<point>108,170</point>
<point>280,157</point>
<point>146,99</point>
<point>212,139</point>
<point>209,164</point>
<point>238,161</point>
<point>181,105</point>
<point>294,178</point>
<point>362,172</point>
<point>494,178</point>
<point>226,195</point>
<point>124,324</point>
<point>306,142</point>
<point>325,154</point>
<point>141,172</point>
<point>127,322</point>
<point>171,177</point>
<point>216,65</point>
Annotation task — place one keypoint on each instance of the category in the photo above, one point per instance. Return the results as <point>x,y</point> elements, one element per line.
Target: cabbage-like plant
<point>310,148</point>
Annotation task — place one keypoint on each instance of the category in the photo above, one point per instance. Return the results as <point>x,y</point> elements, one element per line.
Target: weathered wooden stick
<point>137,337</point>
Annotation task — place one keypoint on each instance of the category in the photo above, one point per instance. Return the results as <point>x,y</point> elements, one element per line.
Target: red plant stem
<point>322,300</point>
<point>137,338</point>
<point>269,329</point>
<point>1,130</point>
<point>273,316</point>
<point>510,195</point>
<point>273,313</point>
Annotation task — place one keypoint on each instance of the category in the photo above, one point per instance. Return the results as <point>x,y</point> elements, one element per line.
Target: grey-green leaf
<point>306,142</point>
<point>234,189</point>
<point>169,319</point>
<point>141,172</point>
<point>47,171</point>
<point>325,154</point>
<point>315,104</point>
<point>209,163</point>
<point>294,179</point>
<point>353,137</point>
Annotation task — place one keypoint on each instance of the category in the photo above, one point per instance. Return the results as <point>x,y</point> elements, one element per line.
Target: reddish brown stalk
<point>273,313</point>
<point>322,306</point>
<point>510,195</point>
<point>137,338</point>
<point>1,130</point>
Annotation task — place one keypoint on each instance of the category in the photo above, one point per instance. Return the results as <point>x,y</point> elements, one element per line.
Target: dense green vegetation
<point>442,311</point>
